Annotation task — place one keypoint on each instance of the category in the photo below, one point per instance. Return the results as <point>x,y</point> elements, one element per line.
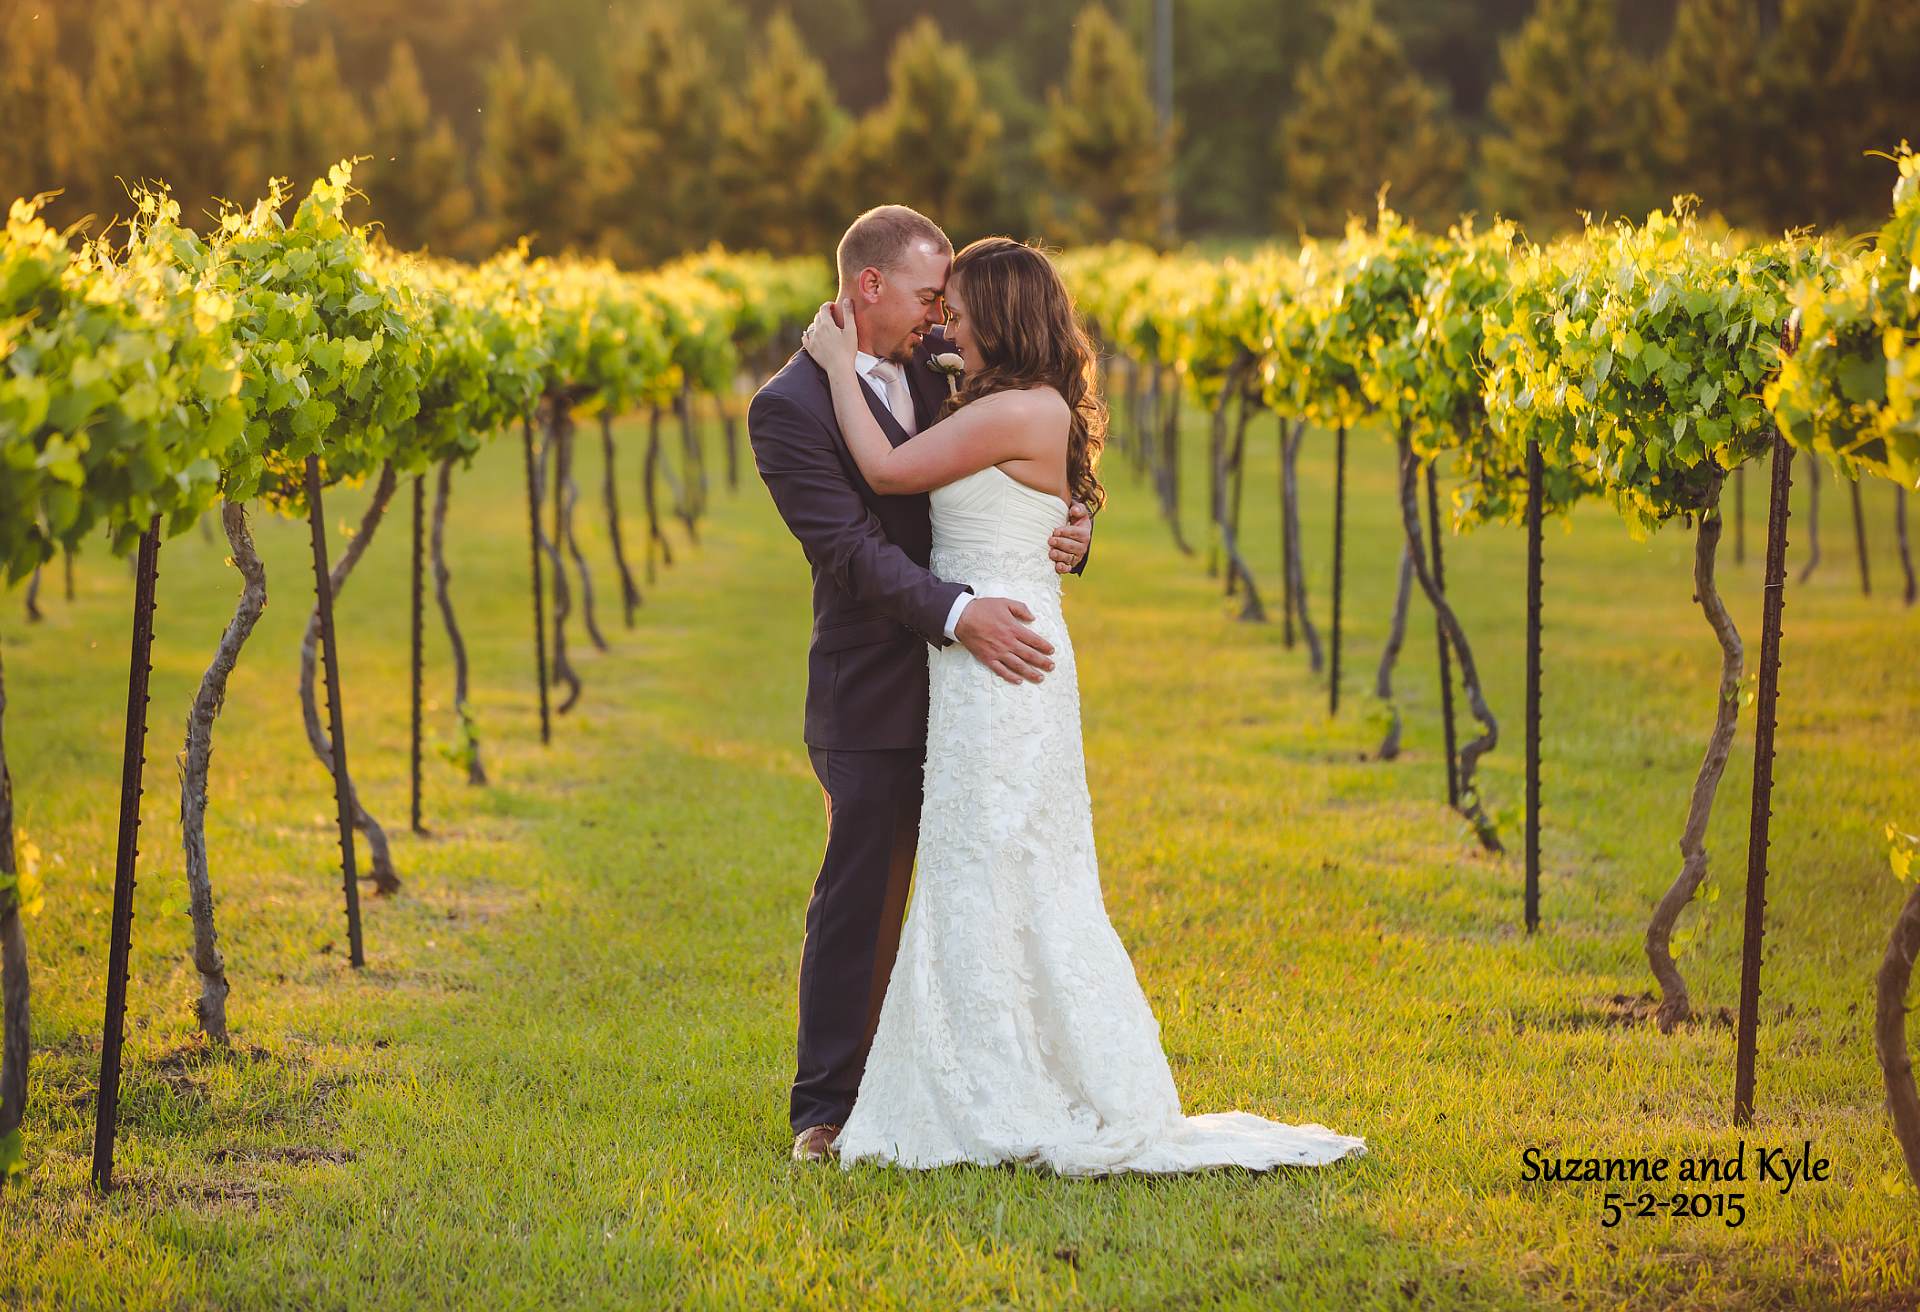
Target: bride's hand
<point>832,339</point>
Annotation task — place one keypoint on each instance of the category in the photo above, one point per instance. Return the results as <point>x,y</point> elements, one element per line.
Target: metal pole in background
<point>1766,703</point>
<point>1860,539</point>
<point>1339,552</point>
<point>539,607</point>
<point>1536,497</point>
<point>419,572</point>
<point>1440,638</point>
<point>133,758</point>
<point>1286,543</point>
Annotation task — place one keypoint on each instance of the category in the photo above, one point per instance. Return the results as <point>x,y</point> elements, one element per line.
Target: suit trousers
<point>853,921</point>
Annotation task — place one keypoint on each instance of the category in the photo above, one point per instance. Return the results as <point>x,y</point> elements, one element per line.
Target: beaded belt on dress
<point>971,564</point>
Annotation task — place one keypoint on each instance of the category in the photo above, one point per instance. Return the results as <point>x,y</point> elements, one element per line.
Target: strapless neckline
<point>990,526</point>
<point>1024,487</point>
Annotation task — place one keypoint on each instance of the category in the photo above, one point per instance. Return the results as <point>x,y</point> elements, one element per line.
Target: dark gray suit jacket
<point>876,606</point>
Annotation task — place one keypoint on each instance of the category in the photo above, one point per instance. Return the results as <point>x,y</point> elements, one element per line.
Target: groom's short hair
<point>881,237</point>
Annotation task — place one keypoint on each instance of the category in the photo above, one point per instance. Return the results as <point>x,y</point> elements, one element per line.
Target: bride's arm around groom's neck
<point>838,531</point>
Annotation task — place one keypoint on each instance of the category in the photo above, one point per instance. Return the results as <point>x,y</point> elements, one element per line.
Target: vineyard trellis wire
<point>267,360</point>
<point>1642,363</point>
<point>156,376</point>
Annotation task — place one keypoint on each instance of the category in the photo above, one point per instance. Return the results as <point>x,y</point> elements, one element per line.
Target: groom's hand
<point>995,630</point>
<point>1071,541</point>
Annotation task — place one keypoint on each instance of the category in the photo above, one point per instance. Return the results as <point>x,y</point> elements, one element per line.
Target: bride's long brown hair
<point>1026,334</point>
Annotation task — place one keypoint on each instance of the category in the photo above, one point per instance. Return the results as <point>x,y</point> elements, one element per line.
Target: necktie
<point>893,382</point>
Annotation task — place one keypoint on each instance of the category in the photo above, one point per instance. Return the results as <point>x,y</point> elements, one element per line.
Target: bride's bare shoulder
<point>1028,405</point>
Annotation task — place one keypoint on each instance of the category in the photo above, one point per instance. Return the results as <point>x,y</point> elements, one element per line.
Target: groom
<point>875,608</point>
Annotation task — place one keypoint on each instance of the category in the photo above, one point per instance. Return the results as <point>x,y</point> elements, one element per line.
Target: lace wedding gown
<point>1014,1029</point>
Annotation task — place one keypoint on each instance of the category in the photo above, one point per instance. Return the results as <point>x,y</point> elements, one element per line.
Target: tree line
<point>692,124</point>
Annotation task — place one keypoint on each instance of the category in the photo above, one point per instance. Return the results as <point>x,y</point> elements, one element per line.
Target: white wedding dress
<point>1014,1029</point>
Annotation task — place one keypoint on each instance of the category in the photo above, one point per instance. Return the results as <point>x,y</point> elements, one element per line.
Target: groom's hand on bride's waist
<point>995,630</point>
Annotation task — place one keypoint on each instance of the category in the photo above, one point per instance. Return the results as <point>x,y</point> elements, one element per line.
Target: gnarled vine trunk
<point>1251,609</point>
<point>1290,514</point>
<point>562,594</point>
<point>1900,541</point>
<point>380,865</point>
<point>1740,514</point>
<point>1237,464</point>
<point>693,465</point>
<point>1470,805</point>
<point>650,487</point>
<point>630,598</point>
<point>211,1008</point>
<point>730,427</point>
<point>1167,464</point>
<point>1890,1030</point>
<point>1675,1004</point>
<point>456,642</point>
<point>565,495</point>
<point>1389,746</point>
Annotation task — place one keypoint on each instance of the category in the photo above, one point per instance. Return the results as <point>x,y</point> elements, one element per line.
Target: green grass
<point>561,1079</point>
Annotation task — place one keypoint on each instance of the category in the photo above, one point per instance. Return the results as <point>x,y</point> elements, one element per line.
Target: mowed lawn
<point>561,1079</point>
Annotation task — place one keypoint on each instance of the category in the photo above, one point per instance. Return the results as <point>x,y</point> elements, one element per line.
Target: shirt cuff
<point>953,616</point>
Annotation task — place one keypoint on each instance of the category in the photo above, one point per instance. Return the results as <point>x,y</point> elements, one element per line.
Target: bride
<point>1013,1028</point>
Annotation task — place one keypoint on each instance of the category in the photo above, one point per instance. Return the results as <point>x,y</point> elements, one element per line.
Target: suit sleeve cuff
<point>953,616</point>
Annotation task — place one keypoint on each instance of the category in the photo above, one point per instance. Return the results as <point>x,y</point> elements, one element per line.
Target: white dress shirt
<point>863,364</point>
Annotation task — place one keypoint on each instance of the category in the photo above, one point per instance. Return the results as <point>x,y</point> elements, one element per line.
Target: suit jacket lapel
<point>888,424</point>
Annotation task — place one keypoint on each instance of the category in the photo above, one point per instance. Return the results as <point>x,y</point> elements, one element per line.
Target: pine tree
<point>1712,135</point>
<point>1102,145</point>
<point>1235,63</point>
<point>531,155</point>
<point>1571,127</point>
<point>322,120</point>
<point>933,143</point>
<point>652,157</point>
<point>1893,109</point>
<point>1838,79</point>
<point>1363,117</point>
<point>778,145</point>
<point>417,178</point>
<point>155,113</point>
<point>251,68</point>
<point>48,144</point>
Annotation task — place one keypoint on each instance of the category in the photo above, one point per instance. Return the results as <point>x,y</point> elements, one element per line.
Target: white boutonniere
<point>950,364</point>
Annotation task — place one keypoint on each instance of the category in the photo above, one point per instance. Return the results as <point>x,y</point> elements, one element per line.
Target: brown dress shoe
<point>815,1143</point>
